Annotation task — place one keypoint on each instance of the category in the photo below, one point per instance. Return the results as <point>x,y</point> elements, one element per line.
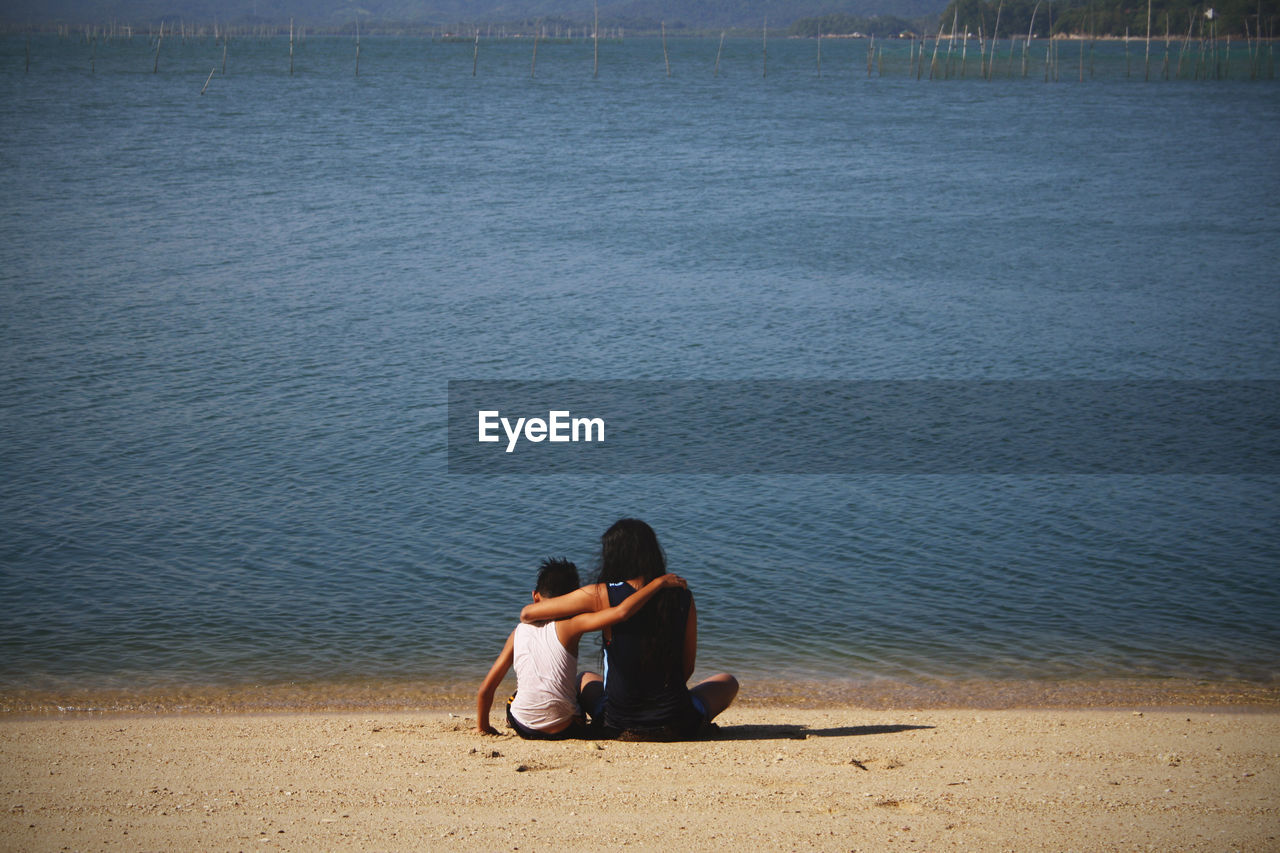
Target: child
<point>545,655</point>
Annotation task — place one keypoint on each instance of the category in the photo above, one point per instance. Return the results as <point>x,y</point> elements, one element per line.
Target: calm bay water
<point>227,323</point>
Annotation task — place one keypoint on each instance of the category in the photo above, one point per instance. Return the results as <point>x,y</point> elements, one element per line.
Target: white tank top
<point>546,678</point>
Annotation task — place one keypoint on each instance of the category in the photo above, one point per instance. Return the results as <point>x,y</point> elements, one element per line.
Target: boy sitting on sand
<point>546,702</point>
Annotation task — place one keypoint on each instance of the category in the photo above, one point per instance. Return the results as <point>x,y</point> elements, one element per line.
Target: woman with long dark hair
<point>650,657</point>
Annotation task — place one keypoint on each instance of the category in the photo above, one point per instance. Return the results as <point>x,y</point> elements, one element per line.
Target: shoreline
<point>395,695</point>
<point>771,777</point>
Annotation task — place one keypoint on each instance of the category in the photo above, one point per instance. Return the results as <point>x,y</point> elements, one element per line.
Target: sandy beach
<point>773,777</point>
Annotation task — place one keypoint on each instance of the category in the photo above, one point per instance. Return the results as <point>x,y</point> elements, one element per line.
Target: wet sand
<point>418,695</point>
<point>774,776</point>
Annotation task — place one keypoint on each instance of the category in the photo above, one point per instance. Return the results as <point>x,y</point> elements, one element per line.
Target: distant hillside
<point>880,26</point>
<point>1181,18</point>
<point>634,15</point>
<point>751,14</point>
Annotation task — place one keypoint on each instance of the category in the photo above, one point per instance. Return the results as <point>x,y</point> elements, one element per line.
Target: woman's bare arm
<point>690,640</point>
<point>586,599</point>
<point>585,623</point>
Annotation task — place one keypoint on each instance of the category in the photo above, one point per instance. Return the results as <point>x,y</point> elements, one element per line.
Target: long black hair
<point>629,549</point>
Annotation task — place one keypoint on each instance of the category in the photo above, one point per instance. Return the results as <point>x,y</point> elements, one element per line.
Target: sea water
<point>229,316</point>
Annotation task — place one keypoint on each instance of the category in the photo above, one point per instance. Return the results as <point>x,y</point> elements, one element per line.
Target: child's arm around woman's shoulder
<point>570,630</point>
<point>585,599</point>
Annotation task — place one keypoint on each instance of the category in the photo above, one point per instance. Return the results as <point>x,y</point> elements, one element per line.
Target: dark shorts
<point>576,729</point>
<point>689,726</point>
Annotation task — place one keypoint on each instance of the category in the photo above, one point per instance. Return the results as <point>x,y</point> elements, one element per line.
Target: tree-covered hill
<point>882,18</point>
<point>634,15</point>
<point>880,26</point>
<point>1114,17</point>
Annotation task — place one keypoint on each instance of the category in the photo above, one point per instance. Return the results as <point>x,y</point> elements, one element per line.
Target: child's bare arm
<point>497,672</point>
<point>582,600</point>
<point>584,623</point>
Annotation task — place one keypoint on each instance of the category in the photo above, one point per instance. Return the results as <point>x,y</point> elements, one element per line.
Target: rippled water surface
<point>227,324</point>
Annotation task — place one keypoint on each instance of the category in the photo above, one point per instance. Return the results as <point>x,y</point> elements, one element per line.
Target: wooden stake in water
<point>475,53</point>
<point>533,69</point>
<point>291,47</point>
<point>1048,51</point>
<point>1146,69</point>
<point>1185,44</point>
<point>933,63</point>
<point>1248,40</point>
<point>1164,66</point>
<point>1259,40</point>
<point>224,52</point>
<point>1026,46</point>
<point>716,71</point>
<point>995,42</point>
<point>357,45</point>
<point>1091,40</point>
<point>595,41</point>
<point>207,79</point>
<point>665,56</point>
<point>156,66</point>
<point>951,43</point>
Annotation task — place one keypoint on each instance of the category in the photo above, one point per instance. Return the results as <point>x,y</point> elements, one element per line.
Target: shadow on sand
<point>799,732</point>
